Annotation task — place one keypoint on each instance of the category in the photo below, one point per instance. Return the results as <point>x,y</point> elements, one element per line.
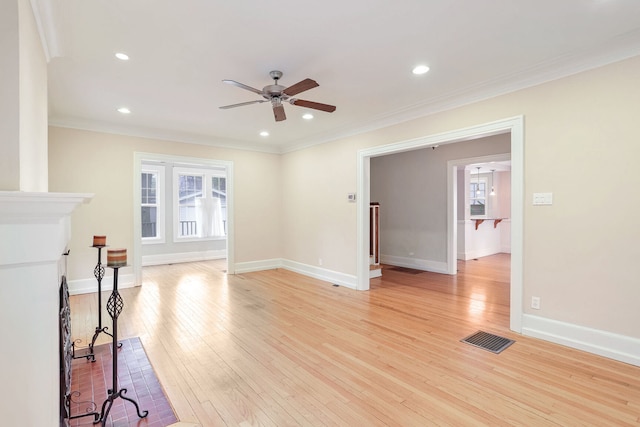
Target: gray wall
<point>411,188</point>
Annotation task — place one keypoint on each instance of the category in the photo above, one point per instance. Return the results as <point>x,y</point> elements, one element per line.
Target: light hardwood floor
<point>275,348</point>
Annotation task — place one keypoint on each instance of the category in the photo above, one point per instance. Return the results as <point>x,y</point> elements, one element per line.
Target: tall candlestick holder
<point>115,305</point>
<point>98,272</point>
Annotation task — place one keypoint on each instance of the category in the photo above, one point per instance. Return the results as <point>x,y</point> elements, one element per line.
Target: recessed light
<point>124,110</point>
<point>264,133</point>
<point>307,116</point>
<point>122,56</point>
<point>420,69</point>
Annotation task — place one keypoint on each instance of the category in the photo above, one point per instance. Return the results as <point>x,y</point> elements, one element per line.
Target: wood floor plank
<point>275,348</point>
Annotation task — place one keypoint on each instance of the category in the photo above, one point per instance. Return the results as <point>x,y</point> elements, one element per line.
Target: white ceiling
<point>361,52</point>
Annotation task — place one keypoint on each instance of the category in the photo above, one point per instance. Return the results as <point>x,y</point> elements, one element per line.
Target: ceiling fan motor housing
<point>271,91</point>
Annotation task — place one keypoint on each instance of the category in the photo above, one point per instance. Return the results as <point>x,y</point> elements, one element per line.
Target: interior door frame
<point>513,126</point>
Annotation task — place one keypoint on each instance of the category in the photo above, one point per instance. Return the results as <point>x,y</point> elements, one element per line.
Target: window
<point>151,204</point>
<point>219,191</point>
<point>201,208</point>
<point>478,196</point>
<point>189,189</point>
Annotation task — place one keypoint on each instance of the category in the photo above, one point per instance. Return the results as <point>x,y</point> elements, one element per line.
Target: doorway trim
<point>515,127</point>
<point>138,158</point>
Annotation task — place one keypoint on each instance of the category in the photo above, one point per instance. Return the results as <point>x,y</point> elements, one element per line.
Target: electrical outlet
<point>535,303</point>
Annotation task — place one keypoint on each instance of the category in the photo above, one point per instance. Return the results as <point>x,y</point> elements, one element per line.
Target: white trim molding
<point>337,278</point>
<point>614,346</point>
<point>87,286</point>
<point>175,258</point>
<point>251,266</point>
<point>418,264</point>
<point>515,127</point>
<point>47,16</point>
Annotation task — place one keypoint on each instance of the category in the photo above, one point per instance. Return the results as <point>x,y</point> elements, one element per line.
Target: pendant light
<point>493,191</point>
<point>478,178</point>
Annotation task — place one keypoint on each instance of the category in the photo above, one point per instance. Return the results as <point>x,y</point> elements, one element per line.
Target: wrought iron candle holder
<point>98,272</point>
<point>115,304</point>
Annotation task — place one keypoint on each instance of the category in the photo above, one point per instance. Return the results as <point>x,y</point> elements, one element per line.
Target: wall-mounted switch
<point>351,197</point>
<point>542,199</point>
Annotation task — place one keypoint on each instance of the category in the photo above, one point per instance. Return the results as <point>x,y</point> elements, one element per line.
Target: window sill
<point>198,239</point>
<point>152,241</point>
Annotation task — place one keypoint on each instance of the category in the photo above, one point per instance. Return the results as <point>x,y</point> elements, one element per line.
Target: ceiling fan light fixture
<point>420,69</point>
<point>307,116</point>
<point>122,56</point>
<point>277,94</point>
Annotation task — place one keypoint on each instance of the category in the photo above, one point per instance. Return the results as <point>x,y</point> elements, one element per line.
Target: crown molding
<point>46,14</point>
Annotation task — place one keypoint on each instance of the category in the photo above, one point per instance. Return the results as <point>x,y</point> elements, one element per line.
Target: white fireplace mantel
<point>35,227</point>
<point>34,232</point>
<point>20,206</point>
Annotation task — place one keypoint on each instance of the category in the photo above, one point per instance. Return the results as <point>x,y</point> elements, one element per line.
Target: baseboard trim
<point>330,276</point>
<point>251,266</point>
<point>342,279</point>
<point>162,259</point>
<point>418,264</point>
<point>614,346</point>
<point>87,286</point>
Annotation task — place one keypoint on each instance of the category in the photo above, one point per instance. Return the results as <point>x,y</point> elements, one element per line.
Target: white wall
<point>9,97</point>
<point>33,104</point>
<point>489,237</point>
<point>23,100</point>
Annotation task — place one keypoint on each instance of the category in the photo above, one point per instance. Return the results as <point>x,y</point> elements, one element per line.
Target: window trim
<point>159,171</point>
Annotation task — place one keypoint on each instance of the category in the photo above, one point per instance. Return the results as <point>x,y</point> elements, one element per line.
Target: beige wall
<point>318,221</point>
<point>92,162</point>
<point>581,138</point>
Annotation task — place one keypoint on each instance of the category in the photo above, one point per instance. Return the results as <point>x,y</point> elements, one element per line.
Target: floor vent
<point>487,341</point>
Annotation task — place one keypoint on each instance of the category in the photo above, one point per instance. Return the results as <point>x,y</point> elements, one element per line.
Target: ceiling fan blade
<point>225,107</point>
<point>305,84</point>
<point>243,86</point>
<point>278,112</point>
<point>315,105</point>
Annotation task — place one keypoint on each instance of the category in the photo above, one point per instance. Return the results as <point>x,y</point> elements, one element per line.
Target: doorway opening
<point>512,126</point>
<point>183,211</point>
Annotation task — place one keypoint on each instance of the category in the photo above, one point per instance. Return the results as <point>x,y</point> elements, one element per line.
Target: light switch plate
<point>542,199</point>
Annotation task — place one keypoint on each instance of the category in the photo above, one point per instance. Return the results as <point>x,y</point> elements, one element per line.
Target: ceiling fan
<point>277,94</point>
